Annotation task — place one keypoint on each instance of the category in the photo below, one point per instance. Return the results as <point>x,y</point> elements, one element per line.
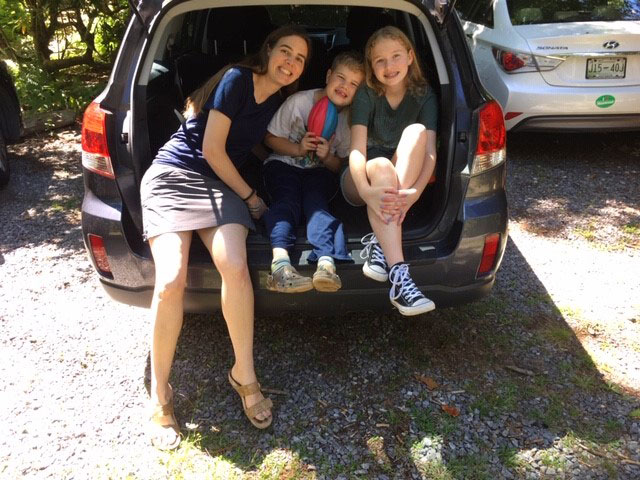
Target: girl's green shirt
<point>384,124</point>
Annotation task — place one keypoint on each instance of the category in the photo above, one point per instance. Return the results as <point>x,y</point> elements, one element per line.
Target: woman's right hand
<point>384,201</point>
<point>257,207</point>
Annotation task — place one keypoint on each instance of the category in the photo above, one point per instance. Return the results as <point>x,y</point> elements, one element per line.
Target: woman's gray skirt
<point>177,200</point>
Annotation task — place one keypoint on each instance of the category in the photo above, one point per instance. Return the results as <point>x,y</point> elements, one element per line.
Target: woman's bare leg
<point>171,255</point>
<point>227,246</point>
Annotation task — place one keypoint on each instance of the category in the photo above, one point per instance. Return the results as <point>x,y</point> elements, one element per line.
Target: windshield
<point>526,12</point>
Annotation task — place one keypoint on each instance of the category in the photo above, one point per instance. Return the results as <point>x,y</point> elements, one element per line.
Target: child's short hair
<point>417,84</point>
<point>351,59</point>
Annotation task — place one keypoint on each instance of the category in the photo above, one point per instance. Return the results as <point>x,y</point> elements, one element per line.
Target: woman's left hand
<point>411,196</point>
<point>257,207</point>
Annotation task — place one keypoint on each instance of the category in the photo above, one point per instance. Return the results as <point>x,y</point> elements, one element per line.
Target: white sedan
<point>558,65</point>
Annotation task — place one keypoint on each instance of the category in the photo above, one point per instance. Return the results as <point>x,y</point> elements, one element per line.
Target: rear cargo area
<point>198,43</point>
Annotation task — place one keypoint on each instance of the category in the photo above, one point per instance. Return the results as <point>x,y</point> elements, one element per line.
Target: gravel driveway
<point>540,380</point>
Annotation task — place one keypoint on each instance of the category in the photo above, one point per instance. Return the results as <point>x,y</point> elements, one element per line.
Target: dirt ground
<point>539,380</point>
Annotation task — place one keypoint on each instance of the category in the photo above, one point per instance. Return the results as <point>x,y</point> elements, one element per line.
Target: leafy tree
<point>61,33</point>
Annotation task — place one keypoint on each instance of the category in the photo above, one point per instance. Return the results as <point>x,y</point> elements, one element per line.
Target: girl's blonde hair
<point>258,63</point>
<point>416,82</point>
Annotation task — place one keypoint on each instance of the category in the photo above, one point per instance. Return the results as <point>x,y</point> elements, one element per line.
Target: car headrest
<point>243,29</point>
<point>362,22</point>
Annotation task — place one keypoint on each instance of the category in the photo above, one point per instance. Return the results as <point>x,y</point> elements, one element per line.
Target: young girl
<point>393,154</point>
<point>194,185</point>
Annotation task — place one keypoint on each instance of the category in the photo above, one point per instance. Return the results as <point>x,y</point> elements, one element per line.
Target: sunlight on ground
<point>596,297</point>
<point>191,460</point>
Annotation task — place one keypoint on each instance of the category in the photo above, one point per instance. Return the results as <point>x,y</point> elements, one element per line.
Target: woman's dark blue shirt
<point>234,97</point>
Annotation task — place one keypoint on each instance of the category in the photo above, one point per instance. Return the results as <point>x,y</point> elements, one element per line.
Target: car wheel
<point>4,162</point>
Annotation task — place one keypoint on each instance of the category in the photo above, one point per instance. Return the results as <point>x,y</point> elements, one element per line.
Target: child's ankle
<point>327,261</point>
<point>278,263</point>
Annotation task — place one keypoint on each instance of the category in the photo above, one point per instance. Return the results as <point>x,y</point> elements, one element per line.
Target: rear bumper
<point>375,298</point>
<point>579,123</point>
<point>444,270</point>
<point>545,107</point>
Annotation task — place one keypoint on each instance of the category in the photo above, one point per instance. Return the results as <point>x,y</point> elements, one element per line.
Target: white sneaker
<point>375,265</point>
<point>404,294</point>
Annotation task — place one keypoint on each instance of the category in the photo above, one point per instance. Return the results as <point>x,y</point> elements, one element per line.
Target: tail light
<point>510,115</point>
<point>95,153</point>
<point>489,253</point>
<point>492,138</point>
<point>518,62</point>
<point>99,254</point>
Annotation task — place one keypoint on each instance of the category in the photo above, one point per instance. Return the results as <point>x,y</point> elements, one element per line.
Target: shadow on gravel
<point>367,395</point>
<point>47,177</point>
<point>585,185</point>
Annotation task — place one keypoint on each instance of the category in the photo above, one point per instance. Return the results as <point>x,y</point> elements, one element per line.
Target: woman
<point>194,185</point>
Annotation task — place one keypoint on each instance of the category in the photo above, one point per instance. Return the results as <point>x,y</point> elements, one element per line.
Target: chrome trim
<point>598,54</point>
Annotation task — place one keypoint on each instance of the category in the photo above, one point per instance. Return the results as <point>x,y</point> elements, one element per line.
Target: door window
<point>480,12</point>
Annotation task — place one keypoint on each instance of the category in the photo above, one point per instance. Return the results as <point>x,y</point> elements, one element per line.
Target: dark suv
<point>454,237</point>
<point>10,120</point>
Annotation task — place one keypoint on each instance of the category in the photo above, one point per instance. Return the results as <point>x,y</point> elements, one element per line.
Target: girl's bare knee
<point>416,133</point>
<point>381,170</point>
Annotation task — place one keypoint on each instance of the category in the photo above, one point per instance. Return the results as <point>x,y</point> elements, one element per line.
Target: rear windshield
<point>526,12</point>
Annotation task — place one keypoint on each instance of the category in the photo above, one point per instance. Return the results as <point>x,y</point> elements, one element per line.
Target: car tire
<point>4,162</point>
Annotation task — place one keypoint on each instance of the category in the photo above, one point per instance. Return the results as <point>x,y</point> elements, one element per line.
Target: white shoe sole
<point>373,275</point>
<point>410,311</point>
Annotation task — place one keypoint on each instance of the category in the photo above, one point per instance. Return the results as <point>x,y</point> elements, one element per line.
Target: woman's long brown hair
<point>258,63</point>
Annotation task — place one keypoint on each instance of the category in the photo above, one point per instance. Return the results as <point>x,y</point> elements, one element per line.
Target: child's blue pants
<point>297,192</point>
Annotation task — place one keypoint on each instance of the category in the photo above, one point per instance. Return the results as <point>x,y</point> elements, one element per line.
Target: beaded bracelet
<point>253,190</point>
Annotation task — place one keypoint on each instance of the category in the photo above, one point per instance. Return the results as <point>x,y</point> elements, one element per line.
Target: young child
<point>300,177</point>
<point>393,154</point>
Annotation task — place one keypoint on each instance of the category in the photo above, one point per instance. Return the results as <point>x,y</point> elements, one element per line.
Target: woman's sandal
<point>162,422</point>
<point>263,405</point>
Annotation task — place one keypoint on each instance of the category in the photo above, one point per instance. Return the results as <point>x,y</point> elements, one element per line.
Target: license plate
<point>606,67</point>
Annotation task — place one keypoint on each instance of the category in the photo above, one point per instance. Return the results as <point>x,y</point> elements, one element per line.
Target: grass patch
<point>613,429</point>
<point>504,398</point>
<point>611,469</point>
<point>558,334</point>
<point>397,418</point>
<point>509,458</point>
<point>470,467</point>
<point>635,413</point>
<point>570,440</point>
<point>425,421</point>
<point>587,232</point>
<point>190,461</point>
<point>282,464</point>
<point>490,306</point>
<point>66,204</point>
<point>569,312</point>
<point>538,299</point>
<point>553,414</point>
<point>432,423</point>
<point>553,460</point>
<point>434,470</point>
<point>631,229</point>
<point>377,450</point>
